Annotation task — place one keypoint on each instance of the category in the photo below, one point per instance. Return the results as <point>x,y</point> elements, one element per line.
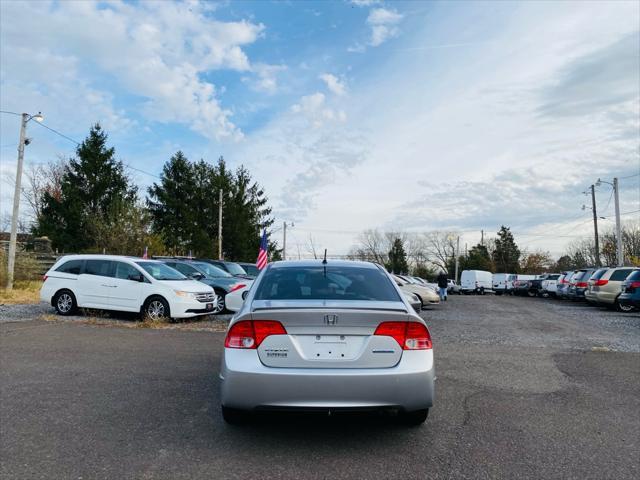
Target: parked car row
<point>163,287</point>
<point>617,287</point>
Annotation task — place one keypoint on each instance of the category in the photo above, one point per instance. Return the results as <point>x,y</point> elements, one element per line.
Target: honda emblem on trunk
<point>331,319</point>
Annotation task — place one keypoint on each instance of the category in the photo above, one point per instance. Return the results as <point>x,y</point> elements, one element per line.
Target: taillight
<point>251,333</point>
<point>409,335</point>
<point>634,285</point>
<point>600,283</point>
<point>581,284</point>
<point>44,278</point>
<point>237,286</point>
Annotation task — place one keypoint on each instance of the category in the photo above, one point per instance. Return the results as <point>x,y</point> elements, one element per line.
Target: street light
<point>16,195</point>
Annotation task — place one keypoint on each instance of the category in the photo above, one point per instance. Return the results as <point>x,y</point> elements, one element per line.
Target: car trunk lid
<point>329,334</point>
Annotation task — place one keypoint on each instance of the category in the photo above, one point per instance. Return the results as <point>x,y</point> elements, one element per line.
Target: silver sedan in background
<point>316,336</point>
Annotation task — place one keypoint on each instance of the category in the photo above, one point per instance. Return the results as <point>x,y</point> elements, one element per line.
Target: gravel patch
<point>23,313</point>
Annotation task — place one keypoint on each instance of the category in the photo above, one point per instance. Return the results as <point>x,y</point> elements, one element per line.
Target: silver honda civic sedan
<point>327,336</point>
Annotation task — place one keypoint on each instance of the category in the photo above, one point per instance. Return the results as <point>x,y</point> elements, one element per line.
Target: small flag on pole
<point>146,252</point>
<point>262,253</point>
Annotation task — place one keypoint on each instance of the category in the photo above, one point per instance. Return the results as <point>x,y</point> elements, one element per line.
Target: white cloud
<point>158,52</point>
<point>384,25</point>
<point>364,3</point>
<point>334,84</point>
<point>315,109</point>
<point>266,77</point>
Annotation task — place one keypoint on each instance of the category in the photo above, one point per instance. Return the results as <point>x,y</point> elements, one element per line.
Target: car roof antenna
<point>324,263</point>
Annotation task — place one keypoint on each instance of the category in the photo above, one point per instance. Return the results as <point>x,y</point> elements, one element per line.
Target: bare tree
<point>41,179</point>
<point>372,246</point>
<point>441,248</point>
<point>311,246</point>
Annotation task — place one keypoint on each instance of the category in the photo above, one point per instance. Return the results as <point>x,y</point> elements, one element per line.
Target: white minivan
<point>476,281</point>
<point>128,284</point>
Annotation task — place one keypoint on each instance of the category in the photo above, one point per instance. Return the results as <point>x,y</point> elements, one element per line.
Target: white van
<point>476,281</point>
<point>503,282</point>
<point>128,284</point>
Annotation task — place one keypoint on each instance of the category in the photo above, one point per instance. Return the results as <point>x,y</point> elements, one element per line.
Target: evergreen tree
<point>171,204</point>
<point>397,258</point>
<point>184,208</point>
<point>506,254</point>
<point>92,186</point>
<point>477,259</point>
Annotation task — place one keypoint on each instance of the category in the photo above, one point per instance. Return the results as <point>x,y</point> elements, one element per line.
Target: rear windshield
<point>634,276</point>
<point>330,283</point>
<point>553,277</point>
<point>598,274</point>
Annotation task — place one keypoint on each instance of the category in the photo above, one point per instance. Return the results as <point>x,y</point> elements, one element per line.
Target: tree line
<point>89,203</point>
<point>426,254</point>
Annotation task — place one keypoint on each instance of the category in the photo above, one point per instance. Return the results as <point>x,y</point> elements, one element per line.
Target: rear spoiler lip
<point>262,309</point>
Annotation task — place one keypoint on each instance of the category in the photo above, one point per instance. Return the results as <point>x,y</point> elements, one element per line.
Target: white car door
<point>126,292</point>
<point>95,284</point>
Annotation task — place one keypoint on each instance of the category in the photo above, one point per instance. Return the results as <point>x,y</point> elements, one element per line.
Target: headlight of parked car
<point>189,295</point>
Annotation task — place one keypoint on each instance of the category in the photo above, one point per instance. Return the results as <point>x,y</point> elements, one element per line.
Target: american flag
<point>262,254</point>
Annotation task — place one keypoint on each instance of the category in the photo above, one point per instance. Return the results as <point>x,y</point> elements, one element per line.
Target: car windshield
<point>210,270</point>
<point>330,283</point>
<point>234,268</point>
<point>160,271</point>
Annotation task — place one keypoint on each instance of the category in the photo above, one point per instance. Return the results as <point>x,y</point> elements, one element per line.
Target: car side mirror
<point>197,276</point>
<point>136,277</point>
<point>244,294</point>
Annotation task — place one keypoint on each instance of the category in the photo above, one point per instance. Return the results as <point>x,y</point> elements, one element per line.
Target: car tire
<point>233,416</point>
<point>221,306</point>
<point>65,303</point>
<point>531,293</point>
<point>156,308</point>
<point>415,418</point>
<point>624,308</point>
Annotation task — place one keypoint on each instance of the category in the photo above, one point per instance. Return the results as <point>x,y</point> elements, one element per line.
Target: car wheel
<point>220,305</point>
<point>233,416</point>
<point>65,302</point>
<point>531,293</point>
<point>624,308</point>
<point>157,309</point>
<point>415,418</point>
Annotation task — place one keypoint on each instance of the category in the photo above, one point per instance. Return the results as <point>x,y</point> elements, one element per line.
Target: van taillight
<point>251,333</point>
<point>44,278</point>
<point>409,335</point>
<point>600,283</point>
<point>581,284</point>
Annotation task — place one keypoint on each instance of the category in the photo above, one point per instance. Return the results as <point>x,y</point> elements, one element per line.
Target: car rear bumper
<point>629,299</point>
<point>247,384</point>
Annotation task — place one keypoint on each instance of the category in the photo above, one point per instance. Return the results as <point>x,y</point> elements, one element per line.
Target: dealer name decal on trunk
<point>277,352</point>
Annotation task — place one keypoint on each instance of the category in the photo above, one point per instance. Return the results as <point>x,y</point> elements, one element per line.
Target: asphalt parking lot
<point>527,388</point>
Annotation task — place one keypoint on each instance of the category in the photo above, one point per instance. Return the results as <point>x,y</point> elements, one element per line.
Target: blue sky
<point>413,116</point>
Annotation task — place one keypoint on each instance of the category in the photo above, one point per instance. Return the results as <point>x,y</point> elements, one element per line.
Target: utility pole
<point>482,237</point>
<point>457,257</point>
<point>595,224</point>
<point>13,238</point>
<point>220,224</point>
<point>618,227</point>
<point>284,240</point>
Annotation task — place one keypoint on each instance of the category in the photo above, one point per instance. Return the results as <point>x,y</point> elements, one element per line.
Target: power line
<point>78,144</point>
